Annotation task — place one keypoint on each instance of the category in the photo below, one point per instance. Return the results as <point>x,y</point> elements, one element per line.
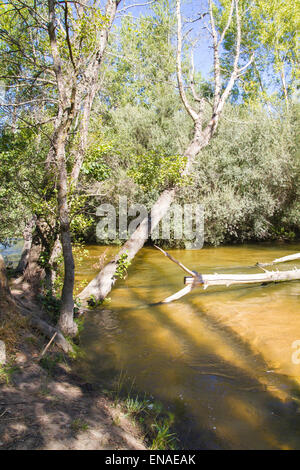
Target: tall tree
<point>63,46</point>
<point>270,34</point>
<point>203,131</point>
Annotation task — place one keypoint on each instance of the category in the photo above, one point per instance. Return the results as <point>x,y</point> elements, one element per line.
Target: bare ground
<point>52,409</point>
<point>60,412</point>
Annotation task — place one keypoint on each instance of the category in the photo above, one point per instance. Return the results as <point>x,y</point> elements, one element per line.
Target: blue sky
<point>190,8</point>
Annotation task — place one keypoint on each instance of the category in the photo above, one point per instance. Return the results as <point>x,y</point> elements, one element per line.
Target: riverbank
<point>44,406</point>
<point>219,360</point>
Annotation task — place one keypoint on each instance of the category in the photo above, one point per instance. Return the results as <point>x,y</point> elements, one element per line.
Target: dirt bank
<point>60,411</point>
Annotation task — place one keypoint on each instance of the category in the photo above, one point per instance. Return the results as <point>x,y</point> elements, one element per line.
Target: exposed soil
<point>39,411</point>
<point>51,408</point>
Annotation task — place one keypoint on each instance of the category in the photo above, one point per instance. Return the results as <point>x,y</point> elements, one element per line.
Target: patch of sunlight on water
<point>12,252</point>
<point>220,359</point>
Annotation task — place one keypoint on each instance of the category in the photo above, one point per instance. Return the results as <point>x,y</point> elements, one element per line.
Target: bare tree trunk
<point>69,112</point>
<point>284,86</point>
<point>34,273</point>
<point>4,287</point>
<point>66,320</point>
<point>27,234</point>
<point>102,284</point>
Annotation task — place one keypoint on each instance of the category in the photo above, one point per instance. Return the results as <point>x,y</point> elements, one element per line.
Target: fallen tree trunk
<point>207,280</point>
<point>49,331</point>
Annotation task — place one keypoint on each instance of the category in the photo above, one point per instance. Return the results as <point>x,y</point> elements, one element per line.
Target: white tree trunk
<point>102,284</point>
<point>207,280</point>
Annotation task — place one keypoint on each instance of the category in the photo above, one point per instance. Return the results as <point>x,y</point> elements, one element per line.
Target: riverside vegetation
<point>102,99</point>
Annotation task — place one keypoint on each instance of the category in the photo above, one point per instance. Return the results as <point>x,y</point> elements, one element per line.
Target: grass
<point>135,405</point>
<point>148,413</point>
<point>79,425</point>
<point>13,325</point>
<point>116,421</point>
<point>164,439</point>
<point>7,371</point>
<point>31,340</point>
<point>50,361</point>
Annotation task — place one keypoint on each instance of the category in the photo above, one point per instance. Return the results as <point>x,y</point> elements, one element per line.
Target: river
<point>220,359</point>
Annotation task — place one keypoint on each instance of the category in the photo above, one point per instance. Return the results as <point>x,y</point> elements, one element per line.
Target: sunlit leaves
<point>153,170</point>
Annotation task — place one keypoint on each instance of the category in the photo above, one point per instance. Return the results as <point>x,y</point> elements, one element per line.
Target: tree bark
<point>206,280</point>
<point>5,293</point>
<point>66,320</point>
<point>102,284</point>
<point>34,273</point>
<point>27,235</point>
<point>49,331</point>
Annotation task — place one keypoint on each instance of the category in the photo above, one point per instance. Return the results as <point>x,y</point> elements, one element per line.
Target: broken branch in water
<point>231,279</point>
<point>227,280</point>
<point>285,259</point>
<point>187,270</point>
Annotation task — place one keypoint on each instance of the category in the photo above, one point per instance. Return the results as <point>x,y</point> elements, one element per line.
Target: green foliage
<point>94,165</point>
<point>153,171</point>
<point>80,221</point>
<point>248,178</point>
<point>270,32</point>
<point>151,415</point>
<point>134,405</point>
<point>7,371</point>
<point>80,323</point>
<point>122,265</point>
<point>20,176</point>
<point>93,302</point>
<point>76,352</point>
<point>164,439</point>
<point>52,305</point>
<point>50,361</point>
<point>79,425</point>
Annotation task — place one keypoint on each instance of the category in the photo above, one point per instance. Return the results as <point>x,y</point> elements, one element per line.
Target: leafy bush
<point>155,171</point>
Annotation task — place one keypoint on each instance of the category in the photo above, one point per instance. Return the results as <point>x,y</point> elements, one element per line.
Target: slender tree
<point>69,39</point>
<point>102,284</point>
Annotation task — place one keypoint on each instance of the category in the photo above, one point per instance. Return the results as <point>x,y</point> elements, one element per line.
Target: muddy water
<point>220,360</point>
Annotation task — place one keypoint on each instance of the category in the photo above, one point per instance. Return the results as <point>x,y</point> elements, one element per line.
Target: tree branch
<point>190,110</point>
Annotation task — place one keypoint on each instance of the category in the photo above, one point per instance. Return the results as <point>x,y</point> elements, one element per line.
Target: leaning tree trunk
<point>102,284</point>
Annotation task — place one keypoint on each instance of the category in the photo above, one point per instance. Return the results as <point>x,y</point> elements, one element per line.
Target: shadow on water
<point>204,355</point>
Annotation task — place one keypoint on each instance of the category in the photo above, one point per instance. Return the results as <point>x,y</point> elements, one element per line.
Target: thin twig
<point>47,346</point>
